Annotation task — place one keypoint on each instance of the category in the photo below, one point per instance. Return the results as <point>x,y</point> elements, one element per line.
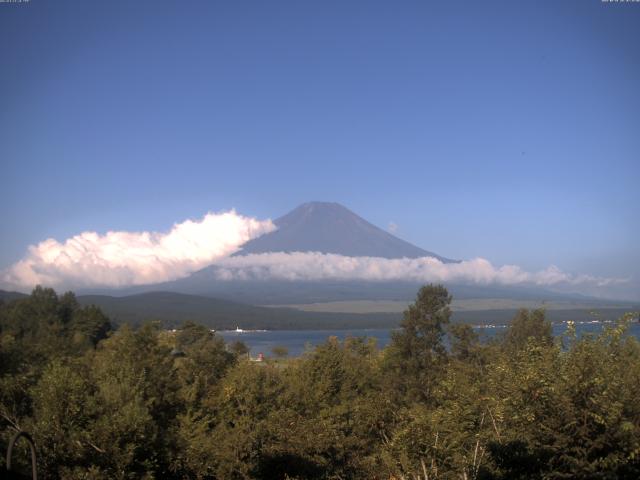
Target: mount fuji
<point>332,228</point>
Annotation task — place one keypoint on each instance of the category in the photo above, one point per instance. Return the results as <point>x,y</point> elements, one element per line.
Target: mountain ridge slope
<point>328,227</point>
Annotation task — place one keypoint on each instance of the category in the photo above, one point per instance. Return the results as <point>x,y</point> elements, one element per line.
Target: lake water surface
<point>296,341</point>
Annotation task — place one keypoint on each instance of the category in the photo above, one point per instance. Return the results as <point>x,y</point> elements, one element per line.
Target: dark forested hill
<point>175,308</point>
<point>8,296</point>
<point>172,309</point>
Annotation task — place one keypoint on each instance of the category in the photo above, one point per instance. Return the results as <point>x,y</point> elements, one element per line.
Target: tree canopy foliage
<point>436,403</point>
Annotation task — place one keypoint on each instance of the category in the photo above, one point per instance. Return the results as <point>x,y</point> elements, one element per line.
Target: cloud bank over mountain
<point>118,259</point>
<point>314,266</point>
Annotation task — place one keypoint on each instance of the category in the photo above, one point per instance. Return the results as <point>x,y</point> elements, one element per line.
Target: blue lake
<point>297,341</point>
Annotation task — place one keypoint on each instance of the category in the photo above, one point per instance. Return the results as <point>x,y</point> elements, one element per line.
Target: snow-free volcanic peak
<point>332,228</point>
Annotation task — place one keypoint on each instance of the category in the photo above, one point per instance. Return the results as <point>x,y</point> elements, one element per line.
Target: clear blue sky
<point>507,130</point>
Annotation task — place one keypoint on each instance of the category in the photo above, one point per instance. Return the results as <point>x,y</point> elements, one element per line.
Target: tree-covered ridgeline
<point>148,403</point>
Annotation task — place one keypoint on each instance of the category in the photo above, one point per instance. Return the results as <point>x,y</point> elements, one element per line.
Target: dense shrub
<point>148,403</point>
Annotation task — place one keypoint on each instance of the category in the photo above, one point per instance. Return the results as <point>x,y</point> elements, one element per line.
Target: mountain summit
<point>332,228</point>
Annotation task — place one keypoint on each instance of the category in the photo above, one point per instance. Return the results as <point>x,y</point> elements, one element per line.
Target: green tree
<point>136,392</point>
<point>528,324</point>
<point>416,355</point>
<point>63,410</point>
<point>249,396</point>
<point>280,351</point>
<point>205,361</point>
<point>239,348</point>
<point>333,412</point>
<point>465,342</point>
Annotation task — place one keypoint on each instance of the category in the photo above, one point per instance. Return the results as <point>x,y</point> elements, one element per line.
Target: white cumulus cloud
<point>321,266</point>
<point>135,258</point>
<point>119,258</point>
